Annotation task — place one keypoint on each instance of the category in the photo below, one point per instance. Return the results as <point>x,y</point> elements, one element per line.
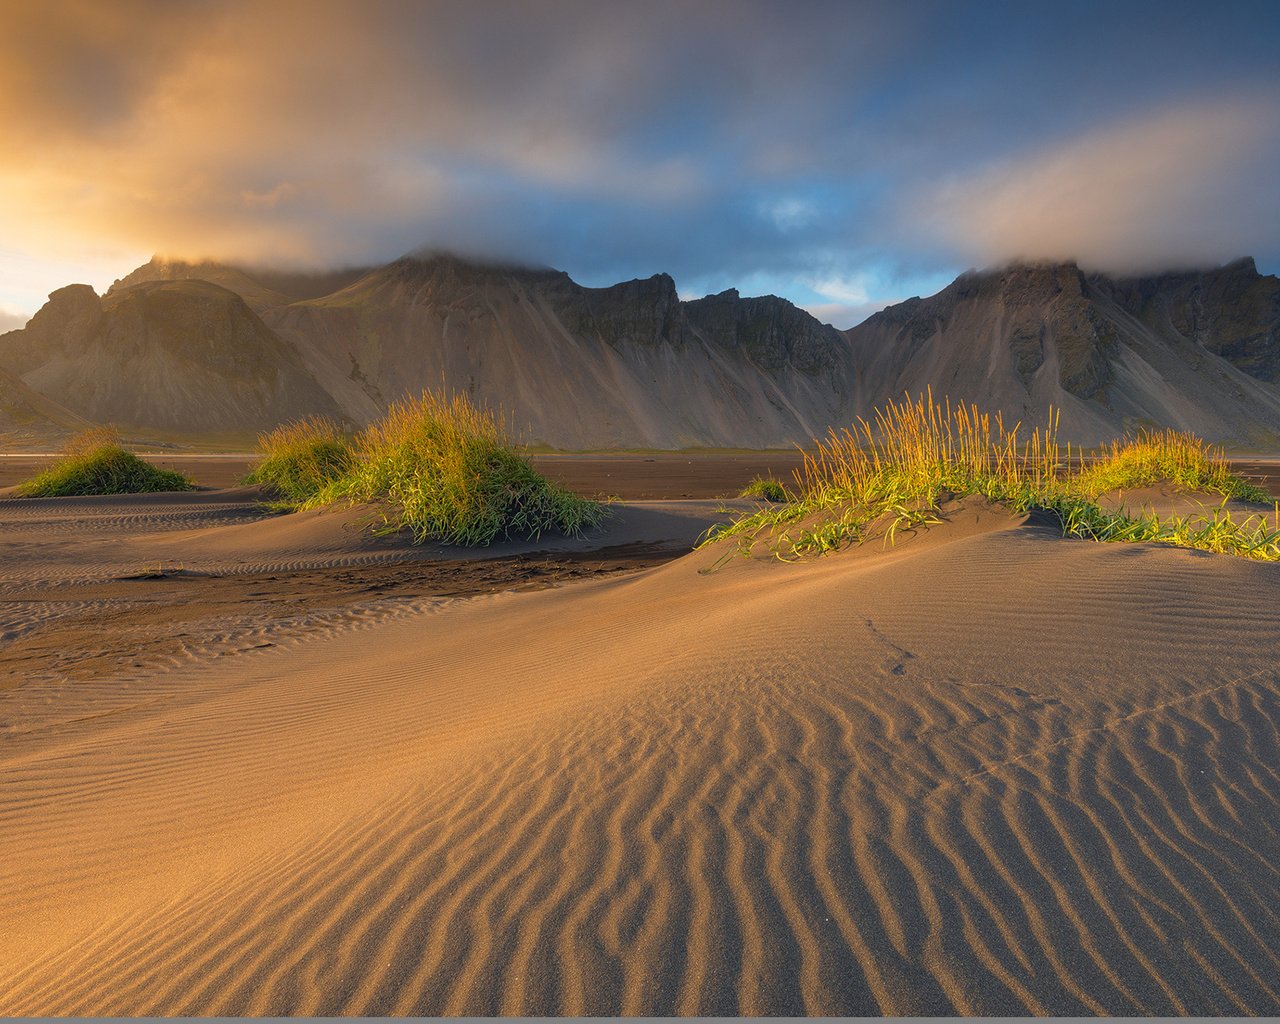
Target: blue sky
<point>843,155</point>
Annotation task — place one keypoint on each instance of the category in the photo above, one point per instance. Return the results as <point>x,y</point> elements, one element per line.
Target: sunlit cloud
<point>11,319</point>
<point>27,278</point>
<point>1188,186</point>
<point>249,141</point>
<point>849,290</point>
<point>722,142</point>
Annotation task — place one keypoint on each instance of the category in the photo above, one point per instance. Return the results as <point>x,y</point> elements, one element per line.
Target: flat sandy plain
<point>255,764</point>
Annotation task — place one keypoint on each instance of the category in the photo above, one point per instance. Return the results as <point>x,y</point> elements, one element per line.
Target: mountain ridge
<point>183,355</point>
<point>632,365</point>
<point>1105,352</point>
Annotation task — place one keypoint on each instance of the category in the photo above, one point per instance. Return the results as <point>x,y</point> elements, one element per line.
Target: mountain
<point>1197,351</point>
<point>29,420</point>
<point>570,367</point>
<point>205,347</point>
<point>574,367</point>
<point>260,289</point>
<point>183,356</point>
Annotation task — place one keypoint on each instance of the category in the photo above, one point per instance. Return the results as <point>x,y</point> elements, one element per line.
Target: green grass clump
<point>444,469</point>
<point>94,462</point>
<point>880,479</point>
<point>1156,457</point>
<point>1255,536</point>
<point>299,460</point>
<point>764,489</point>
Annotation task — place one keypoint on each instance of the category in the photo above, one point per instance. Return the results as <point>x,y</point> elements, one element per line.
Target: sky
<point>841,155</point>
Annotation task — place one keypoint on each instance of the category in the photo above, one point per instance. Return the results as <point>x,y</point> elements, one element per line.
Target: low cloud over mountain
<point>719,142</point>
<point>195,348</point>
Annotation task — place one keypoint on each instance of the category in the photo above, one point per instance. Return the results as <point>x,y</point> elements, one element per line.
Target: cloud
<point>1189,186</point>
<point>11,319</point>
<point>791,213</point>
<point>223,130</point>
<point>715,141</point>
<point>843,315</point>
<point>848,290</point>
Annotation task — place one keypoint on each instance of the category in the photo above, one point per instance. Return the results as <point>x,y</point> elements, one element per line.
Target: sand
<point>986,770</point>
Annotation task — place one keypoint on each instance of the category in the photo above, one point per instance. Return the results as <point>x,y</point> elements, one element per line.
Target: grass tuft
<point>765,489</point>
<point>895,472</point>
<point>442,468</point>
<point>1156,457</point>
<point>299,460</point>
<point>95,462</point>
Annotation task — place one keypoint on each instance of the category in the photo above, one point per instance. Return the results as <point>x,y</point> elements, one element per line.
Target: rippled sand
<point>986,770</point>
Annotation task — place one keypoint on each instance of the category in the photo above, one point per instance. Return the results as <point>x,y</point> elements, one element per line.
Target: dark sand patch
<point>162,616</point>
<point>628,476</point>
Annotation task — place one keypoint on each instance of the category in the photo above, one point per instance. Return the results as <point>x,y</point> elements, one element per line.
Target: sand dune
<point>984,771</point>
<point>67,540</point>
<point>128,586</point>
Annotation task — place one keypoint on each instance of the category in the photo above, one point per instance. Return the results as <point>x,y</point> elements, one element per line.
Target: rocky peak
<point>159,268</point>
<point>260,288</point>
<point>1243,265</point>
<point>645,311</point>
<point>769,329</point>
<point>657,292</point>
<point>196,320</point>
<point>1232,310</point>
<point>72,302</point>
<point>60,328</point>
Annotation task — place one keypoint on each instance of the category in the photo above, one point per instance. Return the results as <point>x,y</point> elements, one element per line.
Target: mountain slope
<point>186,356</point>
<point>1233,311</point>
<point>206,347</point>
<point>574,367</point>
<point>30,420</point>
<point>260,289</point>
<point>1175,350</point>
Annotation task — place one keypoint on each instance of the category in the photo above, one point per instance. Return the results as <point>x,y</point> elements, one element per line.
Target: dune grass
<point>299,460</point>
<point>96,462</point>
<point>765,489</point>
<point>1155,457</point>
<point>439,466</point>
<point>896,472</point>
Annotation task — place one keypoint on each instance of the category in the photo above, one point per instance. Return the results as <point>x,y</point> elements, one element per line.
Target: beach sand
<point>984,770</point>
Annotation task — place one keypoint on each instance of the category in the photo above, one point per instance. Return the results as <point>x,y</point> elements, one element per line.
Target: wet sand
<point>630,477</point>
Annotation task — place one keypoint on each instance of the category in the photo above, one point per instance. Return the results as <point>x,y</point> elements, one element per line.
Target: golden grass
<point>96,462</point>
<point>896,471</point>
<point>1156,456</point>
<point>301,459</point>
<point>439,466</point>
<point>765,489</point>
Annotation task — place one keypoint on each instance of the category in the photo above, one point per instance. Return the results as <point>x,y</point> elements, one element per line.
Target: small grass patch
<point>440,467</point>
<point>299,460</point>
<point>765,489</point>
<point>95,462</point>
<point>1256,535</point>
<point>896,472</point>
<point>1167,456</point>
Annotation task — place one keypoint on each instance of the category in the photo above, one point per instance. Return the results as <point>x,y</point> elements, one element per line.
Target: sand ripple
<point>1007,774</point>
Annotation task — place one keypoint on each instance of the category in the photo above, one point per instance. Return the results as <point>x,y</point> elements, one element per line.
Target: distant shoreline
<point>629,476</point>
